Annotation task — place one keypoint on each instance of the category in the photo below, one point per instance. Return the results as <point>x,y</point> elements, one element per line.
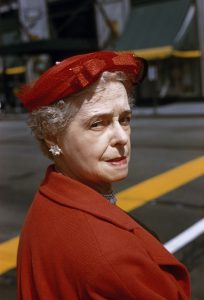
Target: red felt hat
<point>75,73</point>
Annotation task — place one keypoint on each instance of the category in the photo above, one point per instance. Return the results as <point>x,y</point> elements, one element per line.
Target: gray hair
<point>52,121</point>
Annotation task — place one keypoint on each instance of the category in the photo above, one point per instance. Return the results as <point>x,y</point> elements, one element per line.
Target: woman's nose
<point>120,136</point>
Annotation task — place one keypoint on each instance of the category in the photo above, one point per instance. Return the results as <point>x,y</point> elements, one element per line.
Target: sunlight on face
<point>96,145</point>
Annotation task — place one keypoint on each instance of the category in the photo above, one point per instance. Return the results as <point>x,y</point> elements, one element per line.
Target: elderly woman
<point>75,243</point>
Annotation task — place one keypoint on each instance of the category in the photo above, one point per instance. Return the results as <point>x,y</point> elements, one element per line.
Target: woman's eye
<point>125,121</point>
<point>97,124</point>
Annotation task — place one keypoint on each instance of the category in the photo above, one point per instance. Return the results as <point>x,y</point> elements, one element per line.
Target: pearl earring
<point>55,150</point>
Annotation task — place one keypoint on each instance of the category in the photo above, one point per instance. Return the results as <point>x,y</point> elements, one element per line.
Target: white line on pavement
<point>185,237</point>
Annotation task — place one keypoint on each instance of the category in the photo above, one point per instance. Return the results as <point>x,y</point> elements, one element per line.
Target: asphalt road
<point>158,145</point>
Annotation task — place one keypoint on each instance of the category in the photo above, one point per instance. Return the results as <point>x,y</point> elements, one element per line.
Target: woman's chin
<point>117,176</point>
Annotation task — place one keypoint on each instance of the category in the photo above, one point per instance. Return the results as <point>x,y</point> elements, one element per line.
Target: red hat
<point>78,72</point>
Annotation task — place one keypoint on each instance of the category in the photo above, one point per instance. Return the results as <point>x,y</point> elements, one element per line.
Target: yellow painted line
<point>8,252</point>
<point>164,52</point>
<point>153,53</point>
<point>14,70</point>
<point>128,200</point>
<point>187,54</point>
<point>157,186</point>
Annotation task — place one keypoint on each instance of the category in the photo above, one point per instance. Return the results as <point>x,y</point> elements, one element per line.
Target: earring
<point>55,150</point>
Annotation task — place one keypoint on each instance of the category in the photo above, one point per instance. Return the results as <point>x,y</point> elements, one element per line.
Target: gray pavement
<point>189,109</point>
<point>161,141</point>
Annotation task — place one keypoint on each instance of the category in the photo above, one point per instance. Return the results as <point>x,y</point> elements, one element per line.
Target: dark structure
<point>166,34</point>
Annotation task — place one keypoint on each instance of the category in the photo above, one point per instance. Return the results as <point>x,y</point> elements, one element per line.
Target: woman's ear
<point>50,141</point>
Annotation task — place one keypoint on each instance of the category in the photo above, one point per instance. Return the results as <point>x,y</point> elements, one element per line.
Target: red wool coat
<point>76,245</point>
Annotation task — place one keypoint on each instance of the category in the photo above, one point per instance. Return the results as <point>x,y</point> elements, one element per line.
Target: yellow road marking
<point>157,186</point>
<point>128,200</point>
<point>8,251</point>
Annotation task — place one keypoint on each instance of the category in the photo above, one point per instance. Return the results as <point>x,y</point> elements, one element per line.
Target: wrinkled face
<point>96,144</point>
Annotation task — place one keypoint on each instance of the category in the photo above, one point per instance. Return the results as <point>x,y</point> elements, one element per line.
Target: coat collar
<point>71,193</point>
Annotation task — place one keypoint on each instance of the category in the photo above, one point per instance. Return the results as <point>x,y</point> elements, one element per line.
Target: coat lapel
<point>154,248</point>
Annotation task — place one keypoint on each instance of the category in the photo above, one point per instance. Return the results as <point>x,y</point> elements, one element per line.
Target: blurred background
<point>167,125</point>
<point>168,33</point>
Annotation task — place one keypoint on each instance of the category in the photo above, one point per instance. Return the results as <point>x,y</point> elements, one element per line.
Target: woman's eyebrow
<point>106,114</point>
<point>126,112</point>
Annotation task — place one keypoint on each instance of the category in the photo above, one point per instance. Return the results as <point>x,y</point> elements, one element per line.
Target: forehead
<point>110,97</point>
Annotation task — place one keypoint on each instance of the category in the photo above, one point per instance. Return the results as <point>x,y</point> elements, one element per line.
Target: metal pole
<point>200,15</point>
<point>5,88</point>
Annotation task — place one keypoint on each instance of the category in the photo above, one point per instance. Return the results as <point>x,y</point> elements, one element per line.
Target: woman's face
<point>96,144</point>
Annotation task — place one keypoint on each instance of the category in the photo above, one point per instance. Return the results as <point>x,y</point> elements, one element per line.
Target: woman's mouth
<point>118,161</point>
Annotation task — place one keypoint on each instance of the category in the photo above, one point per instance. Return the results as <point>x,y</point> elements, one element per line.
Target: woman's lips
<point>118,161</point>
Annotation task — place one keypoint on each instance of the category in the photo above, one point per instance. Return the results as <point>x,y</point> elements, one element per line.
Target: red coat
<point>76,245</point>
